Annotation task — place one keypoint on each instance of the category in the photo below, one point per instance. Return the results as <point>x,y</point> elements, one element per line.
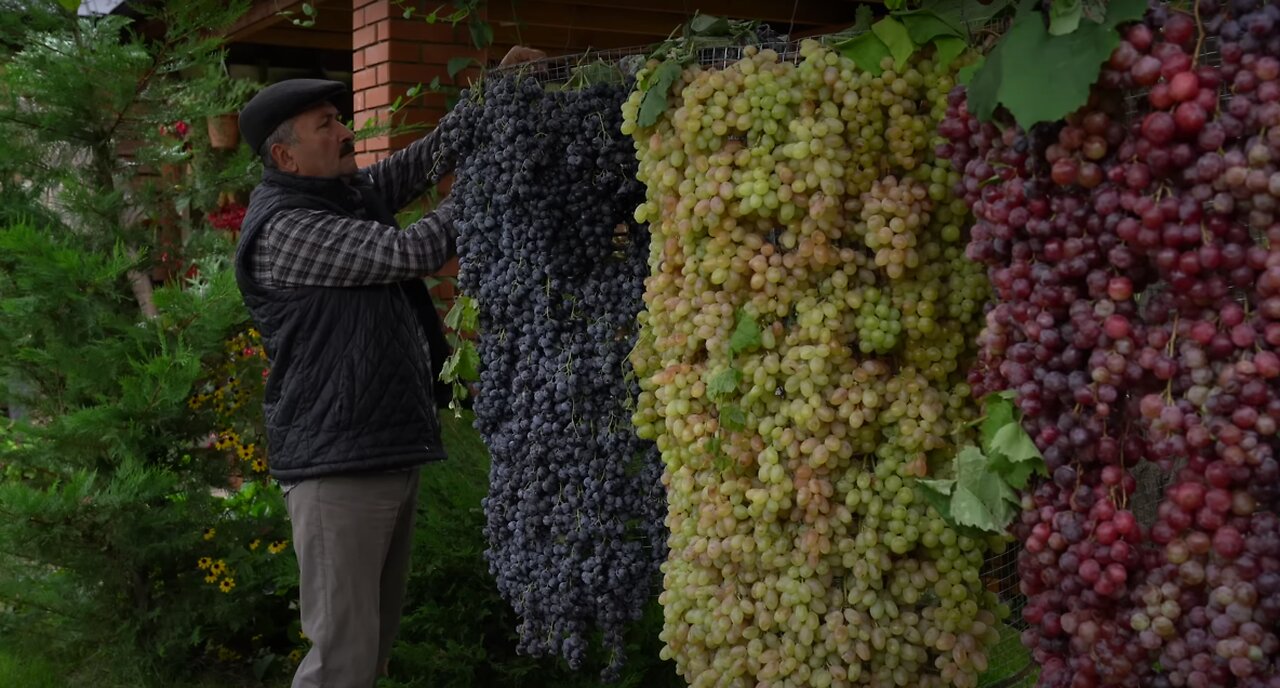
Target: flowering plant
<point>229,217</point>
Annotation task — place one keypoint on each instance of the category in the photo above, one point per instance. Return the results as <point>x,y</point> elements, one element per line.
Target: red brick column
<point>393,55</point>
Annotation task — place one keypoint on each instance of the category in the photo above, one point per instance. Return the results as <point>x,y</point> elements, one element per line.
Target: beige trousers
<point>353,535</point>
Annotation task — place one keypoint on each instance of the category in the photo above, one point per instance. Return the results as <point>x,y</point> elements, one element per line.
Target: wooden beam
<point>304,38</point>
<point>262,14</point>
<point>770,11</point>
<point>567,41</point>
<point>331,15</point>
<point>582,17</point>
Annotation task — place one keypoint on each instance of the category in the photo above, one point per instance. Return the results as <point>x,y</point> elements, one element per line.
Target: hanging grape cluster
<point>543,198</point>
<point>1135,254</point>
<point>802,360</point>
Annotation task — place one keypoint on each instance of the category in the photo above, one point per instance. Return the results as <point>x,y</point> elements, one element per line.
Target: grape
<point>805,201</point>
<point>574,510</point>
<point>1133,320</point>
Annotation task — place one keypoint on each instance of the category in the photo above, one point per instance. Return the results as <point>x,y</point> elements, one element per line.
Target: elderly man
<point>354,343</point>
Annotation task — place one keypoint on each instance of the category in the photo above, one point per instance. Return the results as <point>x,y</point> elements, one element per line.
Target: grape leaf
<point>732,417</point>
<point>1014,442</point>
<point>867,52</point>
<point>1028,57</point>
<point>999,414</point>
<point>457,64</point>
<point>965,75</point>
<point>862,19</point>
<point>654,102</point>
<point>949,48</point>
<point>707,25</point>
<point>967,14</point>
<point>975,477</point>
<point>722,384</point>
<point>969,509</point>
<point>1017,475</point>
<point>464,316</point>
<point>746,335</point>
<point>923,26</point>
<point>468,367</point>
<point>1064,16</point>
<point>896,39</point>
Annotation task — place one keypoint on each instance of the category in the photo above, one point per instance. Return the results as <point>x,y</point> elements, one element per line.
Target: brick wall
<point>391,55</point>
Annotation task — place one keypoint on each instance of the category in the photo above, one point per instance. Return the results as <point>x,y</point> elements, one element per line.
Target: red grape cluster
<point>1135,253</point>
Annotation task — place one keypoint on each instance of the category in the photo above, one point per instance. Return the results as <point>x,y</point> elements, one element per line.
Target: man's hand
<point>519,54</point>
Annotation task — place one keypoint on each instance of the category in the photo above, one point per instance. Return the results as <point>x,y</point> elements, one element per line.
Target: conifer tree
<point>107,493</point>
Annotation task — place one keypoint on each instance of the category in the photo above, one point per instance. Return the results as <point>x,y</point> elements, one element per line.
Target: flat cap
<point>275,104</point>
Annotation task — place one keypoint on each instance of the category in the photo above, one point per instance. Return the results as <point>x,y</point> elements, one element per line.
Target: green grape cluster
<point>808,319</point>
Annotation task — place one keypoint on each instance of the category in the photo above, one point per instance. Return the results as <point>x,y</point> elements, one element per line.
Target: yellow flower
<point>277,546</point>
<point>227,584</point>
<point>218,567</point>
<point>253,546</point>
<point>302,635</point>
<point>211,578</point>
<point>204,563</point>
<point>259,465</point>
<point>209,533</point>
<point>295,656</point>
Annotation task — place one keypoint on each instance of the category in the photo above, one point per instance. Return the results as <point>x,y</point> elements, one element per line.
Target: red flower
<point>228,218</point>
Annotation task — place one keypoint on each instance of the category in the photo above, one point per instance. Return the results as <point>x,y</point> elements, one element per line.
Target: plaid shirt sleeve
<point>309,248</point>
<point>313,248</point>
<point>407,174</point>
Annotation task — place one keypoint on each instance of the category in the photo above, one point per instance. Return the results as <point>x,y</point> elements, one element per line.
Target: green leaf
<point>732,417</point>
<point>924,26</point>
<point>965,75</point>
<point>72,6</point>
<point>863,17</point>
<point>654,102</point>
<point>968,509</point>
<point>308,10</point>
<point>1014,442</point>
<point>968,15</point>
<point>867,52</point>
<point>949,48</point>
<point>481,33</point>
<point>1028,57</point>
<point>708,25</point>
<point>1064,16</point>
<point>999,414</point>
<point>464,316</point>
<point>1017,475</point>
<point>896,38</point>
<point>938,494</point>
<point>457,64</point>
<point>468,367</point>
<point>746,336</point>
<point>262,664</point>
<point>722,384</point>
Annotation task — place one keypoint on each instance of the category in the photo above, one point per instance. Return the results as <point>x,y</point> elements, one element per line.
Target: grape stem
<point>1195,59</point>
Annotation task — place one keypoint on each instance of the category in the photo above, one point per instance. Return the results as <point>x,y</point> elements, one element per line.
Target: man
<point>354,343</point>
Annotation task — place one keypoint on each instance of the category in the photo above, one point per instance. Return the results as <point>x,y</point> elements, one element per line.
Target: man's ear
<point>283,157</point>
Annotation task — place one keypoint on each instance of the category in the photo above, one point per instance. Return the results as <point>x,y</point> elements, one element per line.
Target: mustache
<point>348,148</point>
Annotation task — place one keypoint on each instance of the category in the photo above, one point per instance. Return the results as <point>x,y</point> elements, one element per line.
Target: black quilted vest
<point>351,381</point>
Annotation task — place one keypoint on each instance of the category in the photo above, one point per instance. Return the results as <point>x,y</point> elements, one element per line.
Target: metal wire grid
<point>629,60</point>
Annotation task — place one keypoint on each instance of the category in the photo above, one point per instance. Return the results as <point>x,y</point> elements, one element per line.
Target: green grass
<point>22,669</point>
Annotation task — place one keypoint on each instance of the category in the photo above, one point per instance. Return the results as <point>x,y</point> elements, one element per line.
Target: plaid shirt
<point>313,248</point>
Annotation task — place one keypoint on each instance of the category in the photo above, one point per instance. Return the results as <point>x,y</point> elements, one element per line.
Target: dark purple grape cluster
<point>544,194</point>
<point>1135,252</point>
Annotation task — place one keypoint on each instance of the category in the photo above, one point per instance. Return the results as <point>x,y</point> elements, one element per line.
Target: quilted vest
<point>351,381</point>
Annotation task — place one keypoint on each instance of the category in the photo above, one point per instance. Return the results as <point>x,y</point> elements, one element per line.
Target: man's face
<point>323,146</point>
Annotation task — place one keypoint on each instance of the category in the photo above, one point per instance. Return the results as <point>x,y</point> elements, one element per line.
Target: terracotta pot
<point>224,131</point>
